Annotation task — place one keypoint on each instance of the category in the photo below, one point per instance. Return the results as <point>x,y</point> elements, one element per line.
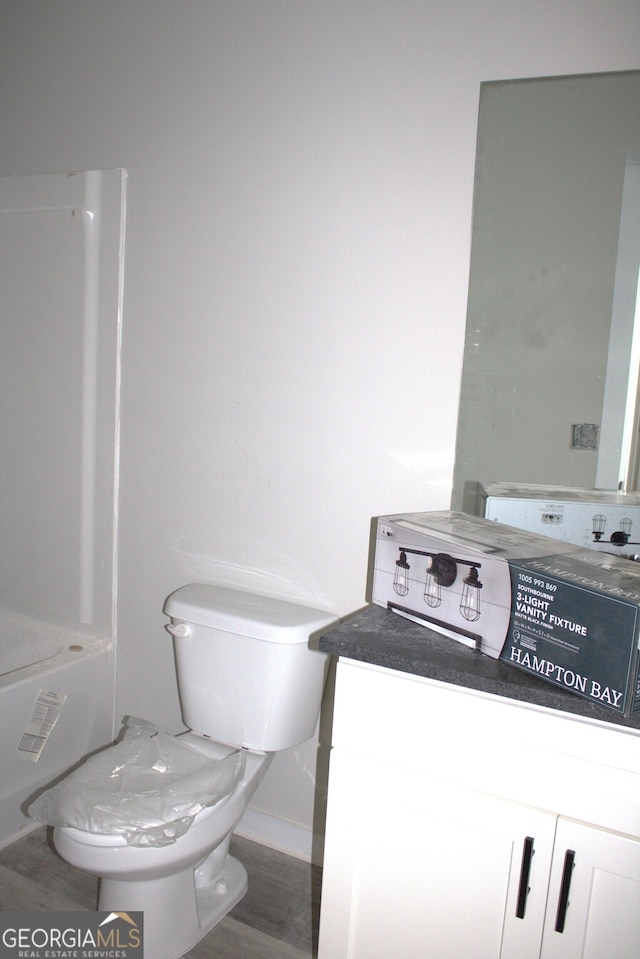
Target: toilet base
<point>177,911</point>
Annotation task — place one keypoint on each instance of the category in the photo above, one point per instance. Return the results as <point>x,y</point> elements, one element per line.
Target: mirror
<point>548,382</point>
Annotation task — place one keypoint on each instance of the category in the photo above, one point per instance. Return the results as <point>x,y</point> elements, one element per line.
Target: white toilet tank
<point>246,674</point>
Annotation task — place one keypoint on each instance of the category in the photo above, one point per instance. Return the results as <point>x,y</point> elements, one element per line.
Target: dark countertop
<point>378,636</point>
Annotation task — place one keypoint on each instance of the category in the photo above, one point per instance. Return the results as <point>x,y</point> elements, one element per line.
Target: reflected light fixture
<point>618,538</point>
<point>621,536</point>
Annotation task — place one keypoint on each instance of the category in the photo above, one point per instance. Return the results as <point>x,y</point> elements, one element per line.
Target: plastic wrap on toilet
<point>148,788</point>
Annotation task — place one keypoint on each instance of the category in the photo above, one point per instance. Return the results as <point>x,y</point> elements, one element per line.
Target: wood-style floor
<point>277,919</point>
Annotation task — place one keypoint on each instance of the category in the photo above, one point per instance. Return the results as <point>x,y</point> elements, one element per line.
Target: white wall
<point>300,180</point>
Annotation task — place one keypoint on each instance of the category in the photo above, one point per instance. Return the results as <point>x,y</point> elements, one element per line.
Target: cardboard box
<point>570,616</point>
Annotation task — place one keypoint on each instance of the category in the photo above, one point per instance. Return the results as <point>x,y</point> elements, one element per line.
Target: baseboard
<point>20,833</point>
<point>279,834</point>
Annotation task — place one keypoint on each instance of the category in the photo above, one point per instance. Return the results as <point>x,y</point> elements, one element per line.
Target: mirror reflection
<point>550,366</point>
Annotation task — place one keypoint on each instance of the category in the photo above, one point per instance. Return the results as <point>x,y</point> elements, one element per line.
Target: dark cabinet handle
<point>563,901</point>
<point>525,871</point>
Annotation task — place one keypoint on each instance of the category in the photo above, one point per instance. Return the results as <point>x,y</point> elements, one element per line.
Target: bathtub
<point>56,706</point>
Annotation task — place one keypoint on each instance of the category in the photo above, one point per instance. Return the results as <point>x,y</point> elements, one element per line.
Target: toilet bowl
<point>248,680</point>
<point>183,888</point>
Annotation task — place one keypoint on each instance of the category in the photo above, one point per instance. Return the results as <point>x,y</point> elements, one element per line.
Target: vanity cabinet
<point>461,824</point>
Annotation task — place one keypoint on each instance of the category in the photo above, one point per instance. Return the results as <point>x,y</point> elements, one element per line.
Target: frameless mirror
<point>550,362</point>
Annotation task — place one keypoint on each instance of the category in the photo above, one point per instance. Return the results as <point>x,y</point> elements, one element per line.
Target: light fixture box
<point>568,615</point>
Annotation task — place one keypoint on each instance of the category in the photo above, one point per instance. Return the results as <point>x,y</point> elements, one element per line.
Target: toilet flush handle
<point>179,630</point>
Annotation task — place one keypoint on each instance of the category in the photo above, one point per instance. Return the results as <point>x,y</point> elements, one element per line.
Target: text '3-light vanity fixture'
<point>442,571</point>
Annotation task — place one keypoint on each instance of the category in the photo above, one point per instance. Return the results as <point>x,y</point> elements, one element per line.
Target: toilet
<point>248,680</point>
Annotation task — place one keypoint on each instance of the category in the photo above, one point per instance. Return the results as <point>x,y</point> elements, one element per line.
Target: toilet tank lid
<point>245,613</point>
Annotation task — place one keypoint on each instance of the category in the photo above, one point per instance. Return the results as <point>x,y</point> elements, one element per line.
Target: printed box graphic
<point>570,616</point>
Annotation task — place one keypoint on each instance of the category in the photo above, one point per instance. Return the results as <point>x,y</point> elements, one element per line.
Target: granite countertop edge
<point>380,637</point>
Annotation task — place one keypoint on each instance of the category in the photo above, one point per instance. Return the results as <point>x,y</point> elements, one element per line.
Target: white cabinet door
<point>594,895</point>
<point>417,867</point>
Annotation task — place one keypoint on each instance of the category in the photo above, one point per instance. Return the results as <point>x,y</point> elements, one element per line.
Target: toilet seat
<point>111,858</point>
<point>112,840</point>
<point>215,751</point>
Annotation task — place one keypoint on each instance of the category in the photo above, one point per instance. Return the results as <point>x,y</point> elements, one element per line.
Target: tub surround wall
<point>62,238</point>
